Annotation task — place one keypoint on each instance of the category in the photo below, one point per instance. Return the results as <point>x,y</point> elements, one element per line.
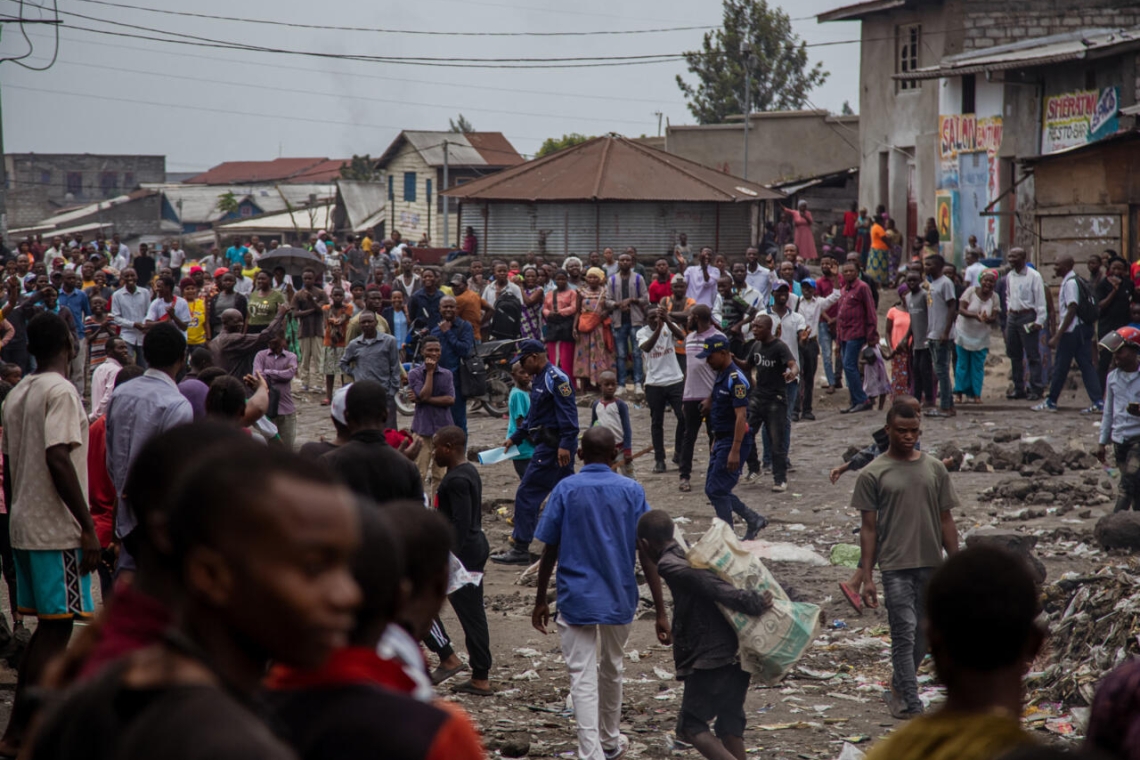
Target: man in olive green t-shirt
<point>905,497</point>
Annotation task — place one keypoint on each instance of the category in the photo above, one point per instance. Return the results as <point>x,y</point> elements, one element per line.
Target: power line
<point>453,62</point>
<point>359,75</point>
<point>376,30</point>
<point>361,98</point>
<point>18,60</point>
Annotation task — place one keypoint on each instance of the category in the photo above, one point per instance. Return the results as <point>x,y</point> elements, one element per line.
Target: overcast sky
<point>200,106</point>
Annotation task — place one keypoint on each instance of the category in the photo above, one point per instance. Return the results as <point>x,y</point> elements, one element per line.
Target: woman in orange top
<point>878,258</point>
<point>898,325</point>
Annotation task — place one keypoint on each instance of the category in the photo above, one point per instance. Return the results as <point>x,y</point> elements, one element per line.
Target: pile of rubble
<point>1029,458</point>
<point>1063,493</point>
<point>1093,625</point>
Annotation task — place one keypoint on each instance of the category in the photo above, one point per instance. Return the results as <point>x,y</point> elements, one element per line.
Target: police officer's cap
<point>712,345</point>
<point>529,346</point>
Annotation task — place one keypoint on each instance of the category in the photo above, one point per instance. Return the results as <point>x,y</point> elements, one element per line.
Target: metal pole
<point>746,54</point>
<point>3,181</point>
<point>446,200</point>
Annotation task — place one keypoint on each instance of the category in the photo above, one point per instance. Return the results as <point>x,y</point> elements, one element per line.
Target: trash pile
<point>1063,493</point>
<point>1093,625</point>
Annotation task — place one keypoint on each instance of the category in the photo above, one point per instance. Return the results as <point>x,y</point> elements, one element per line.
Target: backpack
<point>506,324</point>
<point>1088,311</point>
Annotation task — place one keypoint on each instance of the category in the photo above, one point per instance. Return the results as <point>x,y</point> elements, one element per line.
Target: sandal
<point>439,675</point>
<point>469,688</point>
<point>852,598</point>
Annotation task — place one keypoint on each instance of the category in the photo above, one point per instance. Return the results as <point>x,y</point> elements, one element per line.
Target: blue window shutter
<point>427,192</point>
<point>410,187</point>
<point>391,196</point>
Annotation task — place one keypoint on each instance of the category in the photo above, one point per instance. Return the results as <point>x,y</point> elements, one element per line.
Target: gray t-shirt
<point>916,307</point>
<point>909,498</point>
<point>941,295</point>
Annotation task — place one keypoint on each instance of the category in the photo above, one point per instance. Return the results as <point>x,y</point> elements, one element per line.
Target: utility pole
<point>446,200</point>
<point>658,114</point>
<point>750,60</point>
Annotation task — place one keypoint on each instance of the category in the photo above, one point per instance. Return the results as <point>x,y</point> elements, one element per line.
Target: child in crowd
<point>460,500</point>
<point>337,315</point>
<point>704,642</point>
<point>874,369</point>
<point>518,406</point>
<point>611,412</point>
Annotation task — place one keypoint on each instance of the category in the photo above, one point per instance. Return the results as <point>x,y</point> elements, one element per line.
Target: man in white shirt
<point>129,305</point>
<point>321,246</point>
<point>121,255</point>
<point>167,307</point>
<point>702,279</point>
<point>757,275</point>
<point>1072,341</point>
<point>811,309</point>
<point>1026,313</point>
<point>664,380</point>
<point>974,266</point>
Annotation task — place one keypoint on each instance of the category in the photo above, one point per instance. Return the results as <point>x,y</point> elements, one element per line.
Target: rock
<point>983,462</point>
<point>1042,497</point>
<point>1031,469</point>
<point>517,745</point>
<point>1018,543</point>
<point>1084,514</point>
<point>1006,435</point>
<point>1017,489</point>
<point>1078,459</point>
<point>950,451</point>
<point>1003,458</point>
<point>1120,530</point>
<point>1040,451</point>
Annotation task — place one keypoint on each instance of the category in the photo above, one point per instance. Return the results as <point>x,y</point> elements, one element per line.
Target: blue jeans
<point>625,339</point>
<point>459,408</point>
<point>1075,345</point>
<point>720,481</point>
<point>970,372</point>
<point>940,353</point>
<point>793,391</point>
<point>851,350</point>
<point>825,349</point>
<point>905,592</point>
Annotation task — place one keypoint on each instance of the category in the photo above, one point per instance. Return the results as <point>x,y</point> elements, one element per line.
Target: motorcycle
<point>496,356</point>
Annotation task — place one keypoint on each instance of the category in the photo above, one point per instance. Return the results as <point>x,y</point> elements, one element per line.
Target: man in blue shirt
<point>727,409</point>
<point>425,304</point>
<point>76,301</point>
<point>235,254</point>
<point>589,527</point>
<point>552,426</point>
<point>457,340</point>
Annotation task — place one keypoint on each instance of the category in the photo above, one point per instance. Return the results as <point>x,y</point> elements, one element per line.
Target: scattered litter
<point>508,693</point>
<point>838,625</point>
<point>845,555</point>
<point>851,752</point>
<point>784,726</point>
<point>526,675</point>
<point>633,655</point>
<point>821,709</point>
<point>527,652</point>
<point>1060,726</point>
<point>665,695</point>
<point>848,697</point>
<point>681,520</point>
<point>663,674</point>
<point>817,675</point>
<point>783,552</point>
<point>797,527</point>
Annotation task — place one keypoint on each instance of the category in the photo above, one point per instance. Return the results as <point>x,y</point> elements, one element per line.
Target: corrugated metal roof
<point>1041,51</point>
<point>278,170</point>
<point>63,230</point>
<point>471,149</point>
<point>1131,110</point>
<point>362,200</point>
<point>200,202</point>
<point>859,10</point>
<point>81,212</point>
<point>612,168</point>
<point>304,220</point>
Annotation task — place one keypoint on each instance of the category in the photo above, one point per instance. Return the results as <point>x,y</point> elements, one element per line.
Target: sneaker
<point>808,416</point>
<point>780,488</point>
<point>1033,396</point>
<point>637,389</point>
<point>1097,408</point>
<point>751,477</point>
<point>791,467</point>
<point>513,556</point>
<point>754,527</point>
<point>619,751</point>
<point>1045,406</point>
<point>658,468</point>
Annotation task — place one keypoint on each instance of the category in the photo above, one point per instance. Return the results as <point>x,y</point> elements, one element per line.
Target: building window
<point>909,41</point>
<point>109,183</point>
<point>391,182</point>
<point>75,183</point>
<point>410,187</point>
<point>969,94</point>
<point>45,177</point>
<point>128,180</point>
<point>245,210</point>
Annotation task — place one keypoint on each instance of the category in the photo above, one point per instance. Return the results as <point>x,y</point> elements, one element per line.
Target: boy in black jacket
<point>704,644</point>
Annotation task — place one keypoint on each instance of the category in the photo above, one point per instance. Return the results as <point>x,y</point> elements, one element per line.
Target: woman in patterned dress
<point>594,349</point>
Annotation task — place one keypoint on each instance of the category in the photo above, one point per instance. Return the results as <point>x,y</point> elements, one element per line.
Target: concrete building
<point>41,184</point>
<point>782,145</point>
<point>413,170</point>
<point>610,191</point>
<point>947,147</point>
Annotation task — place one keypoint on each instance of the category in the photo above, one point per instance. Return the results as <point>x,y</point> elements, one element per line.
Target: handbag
<point>472,376</point>
<point>559,329</point>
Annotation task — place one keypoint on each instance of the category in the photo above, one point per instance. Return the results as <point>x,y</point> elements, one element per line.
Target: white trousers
<point>593,655</point>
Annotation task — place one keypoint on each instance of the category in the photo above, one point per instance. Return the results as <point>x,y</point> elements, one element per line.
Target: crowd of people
<point>279,593</point>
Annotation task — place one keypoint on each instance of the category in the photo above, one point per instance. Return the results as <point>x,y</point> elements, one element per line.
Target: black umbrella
<point>294,260</point>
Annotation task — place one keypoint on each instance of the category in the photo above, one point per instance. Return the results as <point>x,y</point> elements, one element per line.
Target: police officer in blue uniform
<point>552,426</point>
<point>727,411</point>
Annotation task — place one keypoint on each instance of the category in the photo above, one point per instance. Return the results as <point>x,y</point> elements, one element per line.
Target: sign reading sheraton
<point>1076,118</point>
